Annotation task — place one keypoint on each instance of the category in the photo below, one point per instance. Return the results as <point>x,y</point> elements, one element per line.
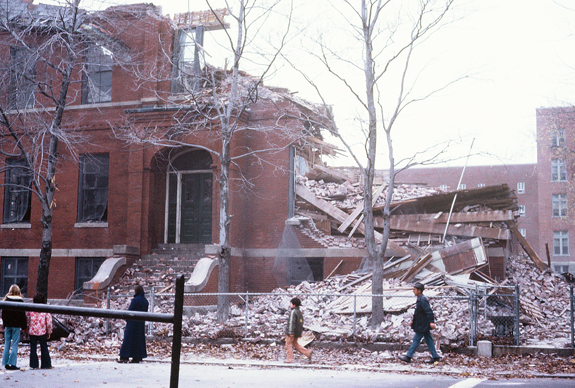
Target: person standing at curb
<point>13,322</point>
<point>294,331</point>
<point>39,328</point>
<point>423,321</point>
<point>134,343</point>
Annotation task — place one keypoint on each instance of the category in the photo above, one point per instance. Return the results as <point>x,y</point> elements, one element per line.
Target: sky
<point>512,56</point>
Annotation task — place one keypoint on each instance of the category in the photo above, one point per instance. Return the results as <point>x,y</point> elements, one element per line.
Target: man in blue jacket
<point>423,322</point>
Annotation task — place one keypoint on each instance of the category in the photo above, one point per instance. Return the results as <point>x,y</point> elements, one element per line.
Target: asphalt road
<point>111,374</point>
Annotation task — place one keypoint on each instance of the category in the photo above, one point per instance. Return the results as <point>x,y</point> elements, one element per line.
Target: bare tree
<point>390,32</point>
<point>46,50</point>
<point>212,105</point>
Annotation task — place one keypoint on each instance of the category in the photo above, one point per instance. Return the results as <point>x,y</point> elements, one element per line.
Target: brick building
<point>116,197</point>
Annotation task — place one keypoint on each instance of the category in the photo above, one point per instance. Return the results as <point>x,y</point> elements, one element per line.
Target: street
<point>148,375</point>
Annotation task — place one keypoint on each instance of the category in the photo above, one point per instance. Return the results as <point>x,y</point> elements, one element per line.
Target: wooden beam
<point>340,215</point>
<point>441,218</point>
<point>532,254</point>
<point>454,230</point>
<point>358,210</point>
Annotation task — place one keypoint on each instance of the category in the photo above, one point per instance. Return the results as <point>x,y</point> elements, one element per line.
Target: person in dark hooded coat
<point>134,344</point>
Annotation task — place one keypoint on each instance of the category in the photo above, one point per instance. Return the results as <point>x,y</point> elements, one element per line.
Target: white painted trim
<point>59,252</point>
<point>16,226</point>
<point>91,225</point>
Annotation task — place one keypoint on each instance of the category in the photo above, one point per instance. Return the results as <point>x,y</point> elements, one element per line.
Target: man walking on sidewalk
<point>422,323</point>
<point>294,330</point>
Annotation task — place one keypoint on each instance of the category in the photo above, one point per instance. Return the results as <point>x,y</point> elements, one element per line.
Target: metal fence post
<point>152,302</point>
<point>354,313</point>
<point>517,307</point>
<point>108,308</point>
<point>247,313</point>
<point>472,316</point>
<point>177,340</point>
<point>572,317</point>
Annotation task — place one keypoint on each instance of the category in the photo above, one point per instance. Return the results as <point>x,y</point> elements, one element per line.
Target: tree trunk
<point>224,236</point>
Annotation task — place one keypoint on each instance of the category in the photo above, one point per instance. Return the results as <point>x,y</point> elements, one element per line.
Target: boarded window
<point>17,192</point>
<point>93,188</point>
<point>97,85</point>
<point>22,78</point>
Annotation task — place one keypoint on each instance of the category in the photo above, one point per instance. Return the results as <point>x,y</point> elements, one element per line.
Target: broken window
<point>559,205</point>
<point>558,170</point>
<point>558,138</point>
<point>561,243</point>
<point>97,83</point>
<point>86,269</point>
<point>14,271</point>
<point>22,78</point>
<point>520,187</point>
<point>187,62</point>
<point>93,188</point>
<point>17,197</point>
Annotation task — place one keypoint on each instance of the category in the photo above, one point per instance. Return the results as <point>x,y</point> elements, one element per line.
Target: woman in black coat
<point>134,344</point>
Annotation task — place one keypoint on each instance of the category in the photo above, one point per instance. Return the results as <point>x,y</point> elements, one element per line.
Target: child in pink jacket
<point>39,329</point>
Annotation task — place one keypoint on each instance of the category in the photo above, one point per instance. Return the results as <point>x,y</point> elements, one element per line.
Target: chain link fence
<point>492,314</point>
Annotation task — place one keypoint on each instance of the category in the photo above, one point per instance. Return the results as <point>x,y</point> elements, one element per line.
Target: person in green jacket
<point>294,330</point>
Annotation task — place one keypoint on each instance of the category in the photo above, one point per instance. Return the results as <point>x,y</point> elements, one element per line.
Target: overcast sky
<point>521,54</point>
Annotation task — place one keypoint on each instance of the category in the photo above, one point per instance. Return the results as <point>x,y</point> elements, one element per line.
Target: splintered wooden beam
<point>441,218</point>
<point>532,254</point>
<point>437,228</point>
<point>340,215</point>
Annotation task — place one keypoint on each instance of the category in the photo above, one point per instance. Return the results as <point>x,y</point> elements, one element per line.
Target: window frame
<point>186,59</point>
<point>560,243</point>
<point>520,187</point>
<point>17,277</point>
<point>558,138</point>
<point>558,170</point>
<point>95,264</point>
<point>521,209</point>
<point>88,194</point>
<point>462,186</point>
<point>21,86</point>
<point>17,198</point>
<point>559,206</point>
<point>97,77</point>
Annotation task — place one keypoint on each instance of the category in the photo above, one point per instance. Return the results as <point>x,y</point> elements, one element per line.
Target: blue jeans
<point>428,340</point>
<point>44,353</point>
<point>11,335</point>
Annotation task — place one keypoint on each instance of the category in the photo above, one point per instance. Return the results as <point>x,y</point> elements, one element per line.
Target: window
<point>523,231</point>
<point>187,61</point>
<point>16,192</point>
<point>520,187</point>
<point>559,205</point>
<point>558,138</point>
<point>558,170</point>
<point>481,185</point>
<point>86,269</point>
<point>22,78</point>
<point>561,243</point>
<point>97,85</point>
<point>561,268</point>
<point>93,188</point>
<point>14,271</point>
<point>521,210</point>
<point>462,186</point>
<point>443,187</point>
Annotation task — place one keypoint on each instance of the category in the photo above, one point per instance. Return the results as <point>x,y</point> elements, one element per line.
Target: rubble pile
<point>347,196</point>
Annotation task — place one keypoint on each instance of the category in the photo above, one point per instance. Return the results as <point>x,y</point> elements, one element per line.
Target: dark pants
<point>44,354</point>
<point>417,340</point>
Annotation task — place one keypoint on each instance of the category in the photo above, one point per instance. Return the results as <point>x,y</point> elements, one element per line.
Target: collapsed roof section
<point>479,230</point>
